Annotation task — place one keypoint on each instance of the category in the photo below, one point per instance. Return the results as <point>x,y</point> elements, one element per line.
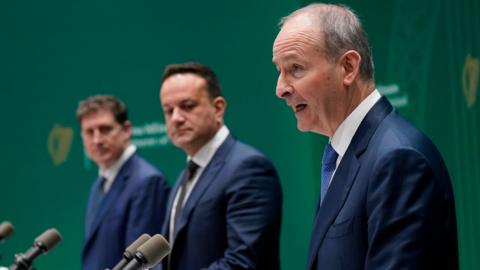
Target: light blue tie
<point>329,163</point>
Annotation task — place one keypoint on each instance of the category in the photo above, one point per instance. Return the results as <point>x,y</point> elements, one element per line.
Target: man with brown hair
<point>129,196</point>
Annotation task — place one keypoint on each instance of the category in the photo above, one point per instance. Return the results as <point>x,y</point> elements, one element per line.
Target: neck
<point>357,92</point>
<point>108,164</point>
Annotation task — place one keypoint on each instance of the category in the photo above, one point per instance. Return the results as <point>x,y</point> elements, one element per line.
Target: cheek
<point>170,131</point>
<point>305,90</point>
<point>197,119</point>
<point>314,88</point>
<point>88,146</point>
<point>170,126</point>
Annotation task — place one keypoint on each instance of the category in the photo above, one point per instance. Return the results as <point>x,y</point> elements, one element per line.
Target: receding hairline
<point>213,86</point>
<point>311,10</point>
<point>342,30</point>
<point>184,74</point>
<point>302,24</point>
<point>198,79</point>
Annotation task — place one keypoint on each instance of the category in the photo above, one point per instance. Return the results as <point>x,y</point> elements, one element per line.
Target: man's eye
<point>188,106</point>
<point>297,70</point>
<point>296,67</point>
<point>88,132</point>
<point>168,111</point>
<point>105,129</point>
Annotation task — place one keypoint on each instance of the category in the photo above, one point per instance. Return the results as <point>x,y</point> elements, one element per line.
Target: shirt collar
<point>112,172</point>
<point>343,135</point>
<point>205,154</point>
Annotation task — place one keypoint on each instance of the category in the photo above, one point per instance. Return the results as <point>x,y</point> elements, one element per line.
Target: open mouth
<point>300,107</point>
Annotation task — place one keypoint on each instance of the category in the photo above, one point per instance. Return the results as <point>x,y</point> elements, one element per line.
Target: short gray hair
<point>342,31</point>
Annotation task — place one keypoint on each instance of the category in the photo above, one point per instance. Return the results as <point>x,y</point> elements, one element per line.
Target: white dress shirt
<point>201,158</point>
<point>343,135</point>
<point>111,173</point>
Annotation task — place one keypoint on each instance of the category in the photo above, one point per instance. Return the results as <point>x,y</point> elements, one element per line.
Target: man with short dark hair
<point>225,210</point>
<point>129,196</point>
<point>386,200</point>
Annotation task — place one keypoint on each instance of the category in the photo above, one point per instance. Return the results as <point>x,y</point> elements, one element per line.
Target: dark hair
<point>213,85</point>
<point>342,31</point>
<point>98,102</point>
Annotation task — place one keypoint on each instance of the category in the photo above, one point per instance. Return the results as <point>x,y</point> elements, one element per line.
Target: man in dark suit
<point>129,197</point>
<point>225,210</point>
<point>386,199</point>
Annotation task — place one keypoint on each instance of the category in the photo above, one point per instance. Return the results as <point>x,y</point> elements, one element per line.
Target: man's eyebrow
<point>285,57</point>
<point>186,100</point>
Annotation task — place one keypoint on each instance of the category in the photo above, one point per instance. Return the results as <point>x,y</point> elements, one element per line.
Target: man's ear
<point>127,128</point>
<point>220,105</point>
<point>350,62</point>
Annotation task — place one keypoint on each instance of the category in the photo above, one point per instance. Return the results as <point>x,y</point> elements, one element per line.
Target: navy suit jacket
<point>390,203</point>
<point>135,204</point>
<point>232,217</point>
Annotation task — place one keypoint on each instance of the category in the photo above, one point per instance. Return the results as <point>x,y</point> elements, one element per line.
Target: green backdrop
<point>54,53</point>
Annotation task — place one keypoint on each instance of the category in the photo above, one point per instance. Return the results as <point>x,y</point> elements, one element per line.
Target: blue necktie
<point>329,163</point>
<point>96,199</point>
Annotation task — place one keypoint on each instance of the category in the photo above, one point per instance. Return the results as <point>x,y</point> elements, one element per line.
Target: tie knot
<point>191,168</point>
<point>329,156</point>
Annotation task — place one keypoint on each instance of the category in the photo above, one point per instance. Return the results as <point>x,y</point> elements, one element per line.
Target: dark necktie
<point>187,177</point>
<point>96,199</point>
<point>329,163</point>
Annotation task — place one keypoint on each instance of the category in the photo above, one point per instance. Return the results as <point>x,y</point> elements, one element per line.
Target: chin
<point>303,127</point>
<point>181,143</point>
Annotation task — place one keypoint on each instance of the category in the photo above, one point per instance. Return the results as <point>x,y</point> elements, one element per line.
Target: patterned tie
<point>187,177</point>
<point>329,163</point>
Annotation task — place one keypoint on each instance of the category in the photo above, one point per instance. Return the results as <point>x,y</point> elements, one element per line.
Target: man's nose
<point>284,89</point>
<point>177,116</point>
<point>97,136</point>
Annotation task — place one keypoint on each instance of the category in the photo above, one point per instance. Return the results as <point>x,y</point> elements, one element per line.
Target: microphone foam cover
<point>49,239</point>
<point>154,249</point>
<point>6,229</point>
<point>137,243</point>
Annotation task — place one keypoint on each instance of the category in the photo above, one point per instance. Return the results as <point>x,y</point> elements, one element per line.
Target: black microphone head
<point>137,243</point>
<point>154,250</point>
<point>48,239</point>
<point>6,229</point>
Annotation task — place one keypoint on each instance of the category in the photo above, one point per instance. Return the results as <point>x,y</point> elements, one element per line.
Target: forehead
<point>183,85</point>
<point>101,116</point>
<point>297,36</point>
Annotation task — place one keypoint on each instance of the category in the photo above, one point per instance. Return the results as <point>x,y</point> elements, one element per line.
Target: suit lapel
<point>207,177</point>
<point>171,199</point>
<point>333,202</point>
<point>90,215</point>
<point>345,177</point>
<point>111,196</point>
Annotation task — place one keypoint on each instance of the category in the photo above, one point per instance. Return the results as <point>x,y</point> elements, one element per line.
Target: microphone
<point>149,254</point>
<point>43,243</point>
<point>6,229</point>
<point>130,251</point>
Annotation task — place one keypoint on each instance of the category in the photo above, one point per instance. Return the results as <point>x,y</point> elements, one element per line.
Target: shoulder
<point>243,153</point>
<point>398,150</point>
<point>396,134</point>
<point>141,170</point>
<point>249,164</point>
